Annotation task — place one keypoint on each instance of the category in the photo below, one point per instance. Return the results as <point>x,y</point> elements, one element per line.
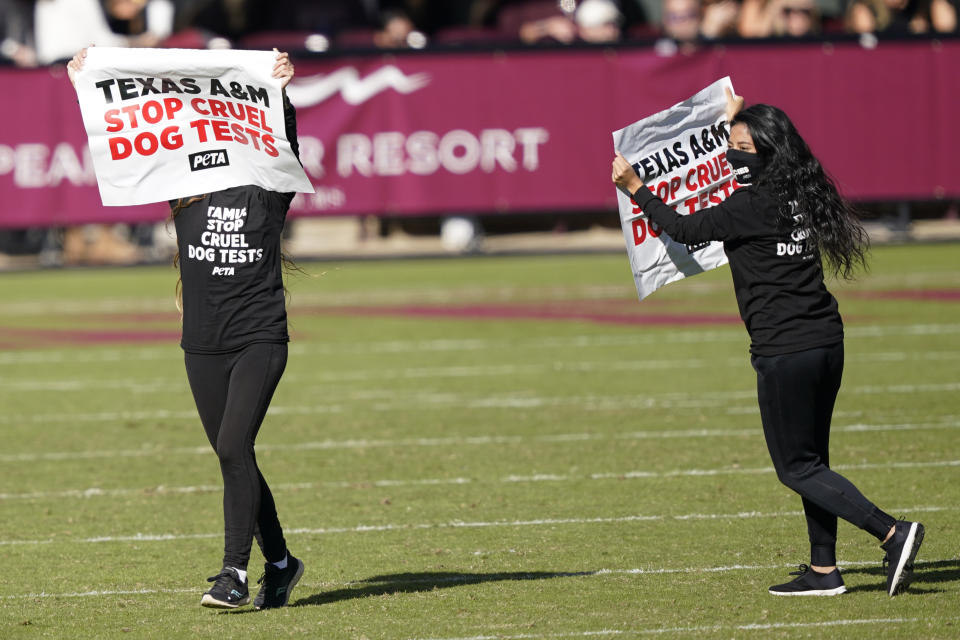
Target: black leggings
<point>232,392</point>
<point>796,392</point>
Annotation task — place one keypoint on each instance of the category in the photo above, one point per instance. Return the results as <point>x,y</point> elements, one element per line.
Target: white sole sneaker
<point>209,601</point>
<point>821,592</point>
<point>905,564</point>
<point>810,583</point>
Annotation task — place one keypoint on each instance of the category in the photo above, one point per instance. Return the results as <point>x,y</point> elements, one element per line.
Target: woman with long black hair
<point>779,230</point>
<point>235,350</point>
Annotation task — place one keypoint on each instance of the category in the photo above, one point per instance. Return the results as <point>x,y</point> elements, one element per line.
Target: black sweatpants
<point>232,392</point>
<point>796,393</point>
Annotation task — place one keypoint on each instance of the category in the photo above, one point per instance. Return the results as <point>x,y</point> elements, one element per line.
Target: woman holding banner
<point>235,343</point>
<point>777,229</point>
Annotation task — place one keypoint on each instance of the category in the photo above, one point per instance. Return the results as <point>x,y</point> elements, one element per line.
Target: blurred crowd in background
<point>44,32</point>
<point>39,32</point>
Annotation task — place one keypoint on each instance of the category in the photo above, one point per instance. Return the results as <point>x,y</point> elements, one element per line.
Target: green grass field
<point>472,448</point>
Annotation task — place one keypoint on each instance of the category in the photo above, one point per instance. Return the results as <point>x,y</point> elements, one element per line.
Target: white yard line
<point>90,355</point>
<point>389,400</point>
<point>697,630</point>
<point>178,383</point>
<point>98,492</point>
<point>456,524</point>
<point>98,593</point>
<point>611,339</point>
<point>465,578</point>
<point>436,295</point>
<point>946,422</point>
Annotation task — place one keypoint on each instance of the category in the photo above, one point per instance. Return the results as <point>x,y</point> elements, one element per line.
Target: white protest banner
<point>170,123</point>
<point>681,155</point>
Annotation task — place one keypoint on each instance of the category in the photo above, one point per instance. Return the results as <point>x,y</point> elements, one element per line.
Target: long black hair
<point>798,182</point>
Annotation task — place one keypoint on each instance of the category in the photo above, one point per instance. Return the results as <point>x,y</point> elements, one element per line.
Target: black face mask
<point>746,166</point>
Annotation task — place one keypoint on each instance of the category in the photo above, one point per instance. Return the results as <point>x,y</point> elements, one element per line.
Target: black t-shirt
<point>777,275</point>
<point>231,269</point>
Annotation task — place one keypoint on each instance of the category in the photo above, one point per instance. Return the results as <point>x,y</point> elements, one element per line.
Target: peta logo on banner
<point>208,159</point>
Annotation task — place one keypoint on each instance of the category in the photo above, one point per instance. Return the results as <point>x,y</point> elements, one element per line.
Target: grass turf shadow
<point>926,573</point>
<point>428,581</point>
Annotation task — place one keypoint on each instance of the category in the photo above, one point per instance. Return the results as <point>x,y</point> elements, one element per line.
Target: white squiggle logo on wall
<point>354,89</point>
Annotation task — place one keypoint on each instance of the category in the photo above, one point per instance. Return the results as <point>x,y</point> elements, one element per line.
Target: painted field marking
<point>946,422</point>
<point>98,492</point>
<point>465,578</point>
<point>616,340</point>
<point>758,626</point>
<point>100,306</point>
<point>694,631</point>
<point>387,401</point>
<point>455,524</point>
<point>178,383</point>
<point>607,291</point>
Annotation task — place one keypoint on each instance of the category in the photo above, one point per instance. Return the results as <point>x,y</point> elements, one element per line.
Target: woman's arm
<point>687,229</point>
<point>290,125</point>
<point>74,66</point>
<point>734,103</point>
<point>284,70</point>
<point>710,224</point>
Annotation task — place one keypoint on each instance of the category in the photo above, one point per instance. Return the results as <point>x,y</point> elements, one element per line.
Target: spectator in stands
<point>16,32</point>
<point>558,28</point>
<point>642,17</point>
<point>679,26</point>
<point>779,18</point>
<point>755,20</point>
<point>681,20</point>
<point>534,21</point>
<point>798,19</point>
<point>901,16</point>
<point>482,13</point>
<point>719,18</point>
<point>146,22</point>
<point>329,17</point>
<point>598,21</point>
<point>63,27</point>
<point>231,19</point>
<point>943,15</point>
<point>397,31</point>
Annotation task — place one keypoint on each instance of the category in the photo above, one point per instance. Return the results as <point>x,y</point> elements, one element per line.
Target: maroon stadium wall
<point>525,131</point>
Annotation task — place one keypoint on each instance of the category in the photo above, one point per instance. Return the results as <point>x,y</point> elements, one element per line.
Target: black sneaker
<point>901,549</point>
<point>811,583</point>
<point>228,591</point>
<point>277,584</point>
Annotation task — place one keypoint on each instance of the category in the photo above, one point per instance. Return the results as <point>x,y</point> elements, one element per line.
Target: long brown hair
<point>175,210</point>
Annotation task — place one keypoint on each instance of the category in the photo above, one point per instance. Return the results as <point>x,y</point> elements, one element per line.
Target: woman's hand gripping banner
<point>170,123</point>
<point>681,155</point>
